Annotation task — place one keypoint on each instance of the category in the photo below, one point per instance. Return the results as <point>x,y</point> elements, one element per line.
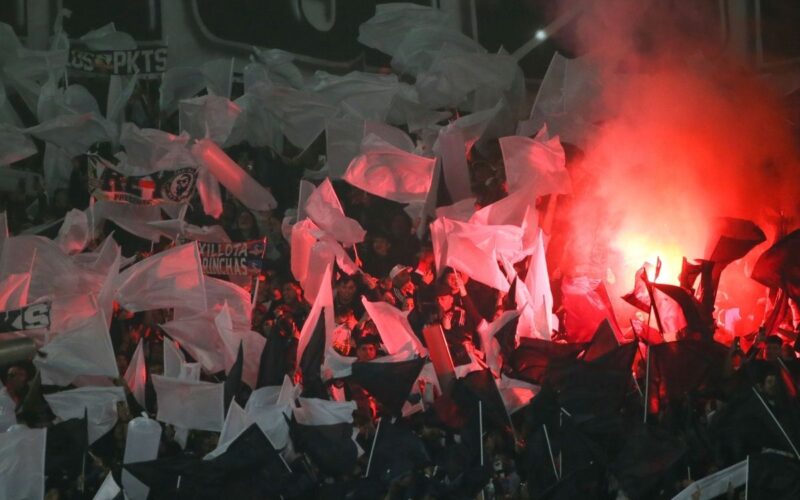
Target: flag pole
<point>646,383</point>
<point>480,436</point>
<point>775,419</point>
<point>372,449</point>
<point>747,478</point>
<point>550,451</point>
<point>480,427</point>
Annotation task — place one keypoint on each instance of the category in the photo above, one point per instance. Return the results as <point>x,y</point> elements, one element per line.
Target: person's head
<point>16,378</point>
<point>444,297</point>
<point>381,244</point>
<point>345,315</point>
<point>451,280</point>
<point>346,289</point>
<point>400,275</point>
<point>245,221</point>
<point>291,292</point>
<point>367,348</point>
<point>425,258</point>
<point>772,349</point>
<point>770,385</point>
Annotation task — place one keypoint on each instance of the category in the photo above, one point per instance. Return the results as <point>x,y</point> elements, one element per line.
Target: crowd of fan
<point>709,425</point>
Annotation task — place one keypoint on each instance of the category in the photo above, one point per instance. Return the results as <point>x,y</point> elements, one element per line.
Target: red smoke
<point>689,135</point>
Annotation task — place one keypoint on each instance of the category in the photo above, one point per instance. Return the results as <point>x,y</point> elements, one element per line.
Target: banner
<point>164,186</point>
<point>31,317</point>
<point>141,61</point>
<point>241,258</point>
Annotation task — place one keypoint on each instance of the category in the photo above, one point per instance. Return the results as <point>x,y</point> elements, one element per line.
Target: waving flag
<point>246,189</point>
<point>14,145</point>
<point>99,403</point>
<point>149,150</point>
<point>14,291</point>
<point>173,278</point>
<point>22,453</point>
<point>209,117</point>
<point>193,405</point>
<point>324,209</point>
<point>393,328</point>
<point>76,133</point>
<point>536,165</point>
<point>386,171</point>
<point>201,338</point>
<point>136,374</point>
<point>475,249</point>
<point>85,350</point>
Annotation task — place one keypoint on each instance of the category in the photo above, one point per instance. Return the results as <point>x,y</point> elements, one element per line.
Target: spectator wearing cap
<point>403,289</point>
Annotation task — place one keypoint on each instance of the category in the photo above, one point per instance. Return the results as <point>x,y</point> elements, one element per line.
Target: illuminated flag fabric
<point>22,453</point>
<point>779,266</point>
<point>386,171</point>
<point>136,374</point>
<point>84,350</point>
<point>535,164</point>
<point>99,403</point>
<point>243,186</point>
<point>173,278</point>
<point>586,304</point>
<point>732,239</point>
<point>639,297</point>
<point>323,207</point>
<point>188,404</point>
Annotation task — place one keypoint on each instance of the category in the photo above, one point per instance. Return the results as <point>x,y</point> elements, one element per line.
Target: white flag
<point>269,407</point>
<point>179,83</point>
<point>389,172</point>
<point>135,219</point>
<point>141,444</point>
<point>537,281</point>
<point>246,189</point>
<point>489,344</point>
<point>323,207</point>
<point>84,350</point>
<point>313,411</point>
<point>393,21</point>
<point>109,489</point>
<point>535,165</point>
<point>100,404</point>
<point>475,249</point>
<point>22,463</point>
<point>14,145</point>
<point>136,374</point>
<point>515,393</point>
<point>75,134</point>
<point>393,328</point>
<point>236,422</point>
<point>149,150</point>
<point>193,405</point>
<point>173,278</point>
<point>366,95</point>
<point>200,336</point>
<point>717,484</point>
<point>74,235</point>
<point>208,117</point>
<point>14,291</point>
<point>218,293</point>
<point>7,406</point>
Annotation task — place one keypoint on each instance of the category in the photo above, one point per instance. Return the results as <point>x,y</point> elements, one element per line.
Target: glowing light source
<point>540,35</point>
